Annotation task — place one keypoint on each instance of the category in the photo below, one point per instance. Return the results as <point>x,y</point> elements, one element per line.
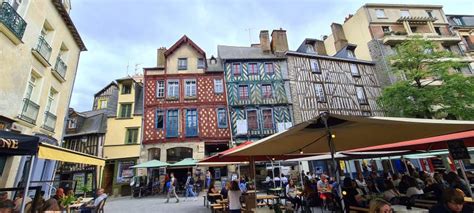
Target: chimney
<point>340,40</point>
<point>265,41</point>
<point>160,59</point>
<point>279,41</point>
<point>320,48</point>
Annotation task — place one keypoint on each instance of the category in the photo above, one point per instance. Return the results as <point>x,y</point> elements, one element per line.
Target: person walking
<point>172,189</point>
<point>189,186</point>
<point>234,194</point>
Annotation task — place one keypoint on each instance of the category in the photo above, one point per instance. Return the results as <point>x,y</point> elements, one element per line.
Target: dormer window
<point>182,63</point>
<point>201,63</point>
<point>126,88</point>
<point>72,123</point>
<point>430,13</point>
<point>350,54</point>
<point>213,60</point>
<point>310,48</point>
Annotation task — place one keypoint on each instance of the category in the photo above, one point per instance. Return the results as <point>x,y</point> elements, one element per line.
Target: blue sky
<point>126,33</point>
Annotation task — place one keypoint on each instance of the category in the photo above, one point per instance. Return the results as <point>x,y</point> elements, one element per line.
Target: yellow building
<point>39,54</point>
<point>123,137</point>
<point>376,28</point>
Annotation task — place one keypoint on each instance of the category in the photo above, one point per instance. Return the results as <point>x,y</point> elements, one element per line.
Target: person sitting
<point>225,190</point>
<point>390,191</point>
<point>323,184</point>
<point>53,203</point>
<point>212,190</point>
<point>94,204</point>
<point>361,183</point>
<point>434,187</point>
<point>455,181</point>
<point>290,193</point>
<point>6,205</point>
<point>380,206</point>
<point>350,194</point>
<point>403,185</point>
<point>373,189</point>
<point>234,194</point>
<point>413,188</point>
<point>453,201</point>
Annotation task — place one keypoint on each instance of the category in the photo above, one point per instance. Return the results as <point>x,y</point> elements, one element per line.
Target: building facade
<point>39,52</point>
<point>123,137</point>
<point>377,28</point>
<point>185,107</point>
<point>339,84</point>
<point>464,26</point>
<point>258,89</point>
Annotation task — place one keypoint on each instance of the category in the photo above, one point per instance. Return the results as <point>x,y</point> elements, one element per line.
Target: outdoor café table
<point>276,190</point>
<point>268,197</point>
<point>251,191</point>
<point>403,209</point>
<point>469,200</point>
<point>80,203</point>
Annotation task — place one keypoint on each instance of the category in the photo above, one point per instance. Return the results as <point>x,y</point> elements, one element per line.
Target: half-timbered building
<point>185,110</point>
<point>258,87</point>
<point>339,84</point>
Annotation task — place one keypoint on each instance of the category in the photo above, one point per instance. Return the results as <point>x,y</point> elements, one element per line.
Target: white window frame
<point>182,66</point>
<point>350,54</point>
<point>320,93</point>
<point>160,88</point>
<point>380,13</point>
<point>72,123</point>
<point>354,69</point>
<point>314,64</point>
<point>190,90</point>
<point>224,111</point>
<point>201,65</point>
<point>172,89</point>
<point>218,86</point>
<point>361,95</point>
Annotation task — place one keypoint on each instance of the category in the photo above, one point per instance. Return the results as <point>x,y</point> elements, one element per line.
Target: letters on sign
<point>8,143</point>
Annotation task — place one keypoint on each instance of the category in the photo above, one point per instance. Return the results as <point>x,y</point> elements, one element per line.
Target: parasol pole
<point>27,185</point>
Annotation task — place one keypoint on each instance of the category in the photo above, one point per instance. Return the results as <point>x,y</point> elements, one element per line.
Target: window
<point>350,54</point>
<point>125,111</point>
<point>190,88</point>
<point>413,29</point>
<point>314,66</point>
<point>267,91</point>
<point>31,87</point>
<point>438,30</point>
<point>310,48</point>
<point>404,13</point>
<point>159,119</point>
<point>361,95</point>
<point>131,136</point>
<point>380,13</point>
<point>221,118</point>
<point>178,153</point>
<point>236,68</point>
<point>102,104</point>
<point>430,13</point>
<point>173,89</point>
<point>201,63</point>
<point>269,68</point>
<point>354,70</point>
<point>72,123</point>
<point>267,119</point>
<point>253,68</point>
<point>218,86</point>
<point>51,100</point>
<point>386,29</point>
<point>243,92</point>
<point>126,88</point>
<point>252,122</point>
<point>172,124</point>
<point>366,113</point>
<point>160,89</point>
<point>191,123</point>
<point>457,21</point>
<point>154,154</point>
<point>320,94</point>
<point>182,63</point>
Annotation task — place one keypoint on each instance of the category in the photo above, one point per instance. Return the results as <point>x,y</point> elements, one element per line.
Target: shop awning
<point>152,164</point>
<point>50,152</point>
<point>350,132</point>
<point>18,144</point>
<point>187,162</point>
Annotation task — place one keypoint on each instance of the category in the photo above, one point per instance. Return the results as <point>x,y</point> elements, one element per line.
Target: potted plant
<point>66,201</point>
<point>85,189</point>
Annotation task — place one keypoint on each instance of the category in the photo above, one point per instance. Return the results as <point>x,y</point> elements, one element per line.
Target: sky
<point>122,36</point>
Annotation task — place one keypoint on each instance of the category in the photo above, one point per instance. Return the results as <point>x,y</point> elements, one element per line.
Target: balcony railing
<point>49,121</point>
<point>43,48</point>
<point>12,20</point>
<point>60,68</point>
<point>29,112</point>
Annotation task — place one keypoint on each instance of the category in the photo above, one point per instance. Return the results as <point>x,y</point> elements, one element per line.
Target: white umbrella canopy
<point>351,132</point>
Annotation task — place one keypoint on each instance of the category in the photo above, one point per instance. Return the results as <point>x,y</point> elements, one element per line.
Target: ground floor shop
<point>117,175</point>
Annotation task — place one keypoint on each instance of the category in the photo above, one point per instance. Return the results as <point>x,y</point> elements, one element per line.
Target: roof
<point>105,88</point>
<point>124,78</point>
<point>181,41</point>
<point>217,67</point>
<point>403,5</point>
<point>233,52</point>
<point>95,122</point>
<point>344,52</point>
<point>70,25</point>
<point>314,55</point>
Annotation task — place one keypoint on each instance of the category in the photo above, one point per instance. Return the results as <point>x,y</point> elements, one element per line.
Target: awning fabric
<point>425,144</point>
<point>50,152</point>
<point>187,162</point>
<point>152,164</point>
<point>18,144</point>
<point>351,132</point>
<point>353,155</point>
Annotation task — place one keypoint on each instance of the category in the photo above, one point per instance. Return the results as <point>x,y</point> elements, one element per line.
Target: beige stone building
<point>464,26</point>
<point>377,28</point>
<point>39,54</point>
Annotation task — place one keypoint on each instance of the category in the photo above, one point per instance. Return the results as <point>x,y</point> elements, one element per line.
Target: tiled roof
<point>233,52</point>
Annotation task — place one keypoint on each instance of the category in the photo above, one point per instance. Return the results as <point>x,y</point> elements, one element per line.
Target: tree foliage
<point>431,86</point>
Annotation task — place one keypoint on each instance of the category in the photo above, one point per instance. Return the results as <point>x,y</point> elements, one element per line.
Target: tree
<point>431,86</point>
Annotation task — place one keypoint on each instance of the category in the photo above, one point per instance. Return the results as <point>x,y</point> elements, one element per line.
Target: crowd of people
<point>54,203</point>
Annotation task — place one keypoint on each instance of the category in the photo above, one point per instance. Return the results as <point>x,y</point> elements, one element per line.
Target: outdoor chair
<point>100,207</point>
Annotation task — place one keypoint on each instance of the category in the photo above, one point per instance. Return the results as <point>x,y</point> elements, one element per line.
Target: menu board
<point>458,150</point>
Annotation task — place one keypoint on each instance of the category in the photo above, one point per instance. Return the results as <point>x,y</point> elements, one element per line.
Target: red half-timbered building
<point>185,109</point>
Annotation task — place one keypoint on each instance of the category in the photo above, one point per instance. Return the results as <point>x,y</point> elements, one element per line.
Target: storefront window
<point>124,171</point>
<point>178,153</point>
